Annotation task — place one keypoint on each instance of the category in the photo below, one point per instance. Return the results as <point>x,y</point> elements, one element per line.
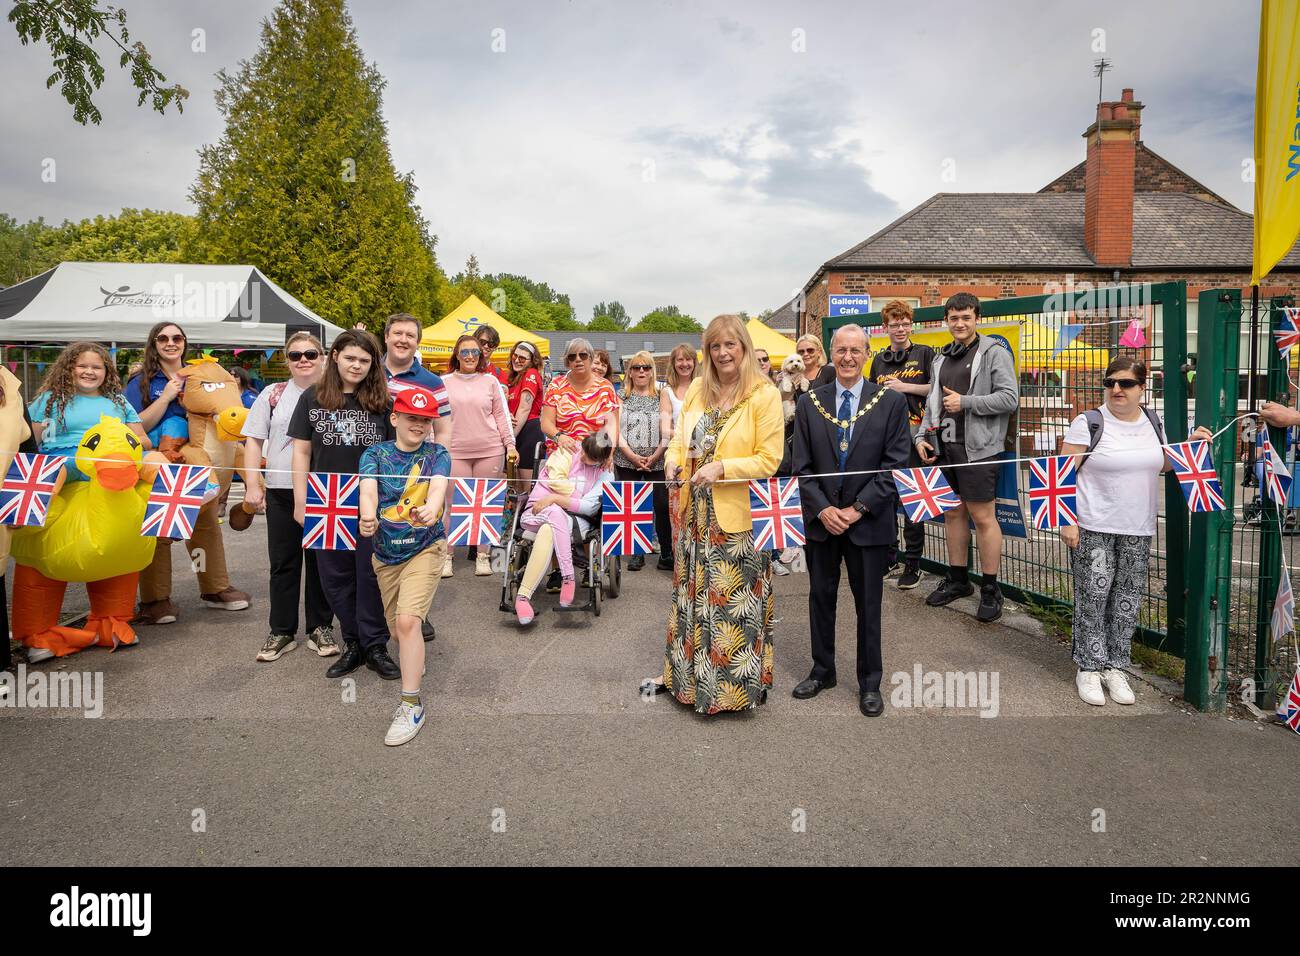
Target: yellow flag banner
<point>1277,135</point>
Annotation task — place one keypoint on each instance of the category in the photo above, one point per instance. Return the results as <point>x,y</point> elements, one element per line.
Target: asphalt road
<point>539,750</point>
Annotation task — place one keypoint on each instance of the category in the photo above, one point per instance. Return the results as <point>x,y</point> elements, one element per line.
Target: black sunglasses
<point>640,368</point>
<point>578,356</point>
<point>1124,383</point>
<point>310,355</point>
<point>173,339</point>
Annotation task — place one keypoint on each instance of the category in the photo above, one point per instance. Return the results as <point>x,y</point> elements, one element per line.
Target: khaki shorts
<point>409,587</point>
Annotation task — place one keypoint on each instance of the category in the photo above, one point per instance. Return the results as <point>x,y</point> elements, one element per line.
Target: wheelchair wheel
<point>595,575</point>
<point>614,576</point>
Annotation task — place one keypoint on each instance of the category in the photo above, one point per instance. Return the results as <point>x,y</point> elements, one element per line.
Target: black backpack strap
<point>1156,424</point>
<point>1096,423</point>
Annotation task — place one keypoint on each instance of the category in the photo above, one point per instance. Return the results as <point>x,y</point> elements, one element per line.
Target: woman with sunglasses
<point>1117,500</point>
<point>813,355</point>
<point>267,445</point>
<point>524,396</point>
<point>645,426</point>
<point>481,434</point>
<point>155,395</point>
<point>765,364</point>
<point>578,402</point>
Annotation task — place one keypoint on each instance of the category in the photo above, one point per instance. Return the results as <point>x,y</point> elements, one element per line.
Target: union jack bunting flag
<point>777,512</point>
<point>477,506</point>
<point>1287,335</point>
<point>1053,492</point>
<point>1283,622</point>
<point>174,501</point>
<point>627,518</point>
<point>1277,478</point>
<point>27,489</point>
<point>924,493</point>
<point>330,517</point>
<point>1290,710</point>
<point>1196,475</point>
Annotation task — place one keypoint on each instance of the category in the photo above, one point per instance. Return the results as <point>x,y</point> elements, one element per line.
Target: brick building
<point>1124,214</point>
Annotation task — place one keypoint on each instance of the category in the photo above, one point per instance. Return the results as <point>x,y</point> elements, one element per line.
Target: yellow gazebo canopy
<point>1038,351</point>
<point>437,340</point>
<point>773,342</point>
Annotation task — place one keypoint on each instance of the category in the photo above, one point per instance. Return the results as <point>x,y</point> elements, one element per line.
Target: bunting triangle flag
<point>1133,337</point>
<point>1068,333</point>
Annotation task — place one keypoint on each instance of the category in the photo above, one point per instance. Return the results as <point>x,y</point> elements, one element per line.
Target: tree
<point>603,323</point>
<point>666,319</point>
<point>70,29</point>
<point>134,235</point>
<point>614,312</point>
<point>302,183</point>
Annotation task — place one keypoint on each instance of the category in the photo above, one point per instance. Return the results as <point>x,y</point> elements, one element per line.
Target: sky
<point>704,154</point>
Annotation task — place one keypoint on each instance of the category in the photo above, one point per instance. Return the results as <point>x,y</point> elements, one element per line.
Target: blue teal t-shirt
<point>83,412</point>
<point>398,540</point>
<point>173,423</point>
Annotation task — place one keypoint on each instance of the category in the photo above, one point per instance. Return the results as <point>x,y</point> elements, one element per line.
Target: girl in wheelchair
<point>568,486</point>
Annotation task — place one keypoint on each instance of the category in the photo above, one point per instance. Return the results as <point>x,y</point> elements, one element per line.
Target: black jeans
<point>866,567</point>
<point>913,531</point>
<point>659,499</point>
<point>289,559</point>
<point>349,581</point>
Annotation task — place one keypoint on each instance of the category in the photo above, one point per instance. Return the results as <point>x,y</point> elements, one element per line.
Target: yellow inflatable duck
<point>91,534</point>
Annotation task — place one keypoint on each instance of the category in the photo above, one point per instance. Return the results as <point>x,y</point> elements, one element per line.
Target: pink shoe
<point>524,610</point>
<point>567,589</point>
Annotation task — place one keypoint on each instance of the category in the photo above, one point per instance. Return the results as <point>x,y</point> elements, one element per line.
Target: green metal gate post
<point>1218,340</point>
<point>1173,313</point>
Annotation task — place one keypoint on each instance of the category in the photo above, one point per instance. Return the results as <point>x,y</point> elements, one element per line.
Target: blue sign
<point>848,305</point>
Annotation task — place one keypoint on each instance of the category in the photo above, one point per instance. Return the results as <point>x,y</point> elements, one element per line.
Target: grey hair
<point>574,343</point>
<point>850,328</point>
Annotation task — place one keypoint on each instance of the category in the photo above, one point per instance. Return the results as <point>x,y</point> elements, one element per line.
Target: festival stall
<point>438,339</point>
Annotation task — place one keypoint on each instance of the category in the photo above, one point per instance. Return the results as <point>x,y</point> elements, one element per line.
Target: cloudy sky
<point>706,154</point>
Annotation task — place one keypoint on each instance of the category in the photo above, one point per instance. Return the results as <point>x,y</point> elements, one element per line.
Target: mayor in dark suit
<point>848,425</point>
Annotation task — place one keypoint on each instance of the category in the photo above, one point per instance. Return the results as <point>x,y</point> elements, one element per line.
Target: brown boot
<point>227,600</point>
<point>156,612</point>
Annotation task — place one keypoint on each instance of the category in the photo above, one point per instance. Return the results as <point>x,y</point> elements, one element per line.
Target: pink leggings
<point>489,467</point>
<point>558,519</point>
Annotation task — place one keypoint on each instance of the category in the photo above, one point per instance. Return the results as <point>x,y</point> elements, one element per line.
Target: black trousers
<point>349,581</point>
<point>866,567</point>
<point>913,531</point>
<point>289,561</point>
<point>659,498</point>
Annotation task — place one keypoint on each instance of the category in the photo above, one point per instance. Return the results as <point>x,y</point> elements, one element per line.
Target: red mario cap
<point>416,401</point>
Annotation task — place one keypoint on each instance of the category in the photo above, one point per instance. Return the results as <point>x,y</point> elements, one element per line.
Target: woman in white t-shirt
<point>266,437</point>
<point>1118,497</point>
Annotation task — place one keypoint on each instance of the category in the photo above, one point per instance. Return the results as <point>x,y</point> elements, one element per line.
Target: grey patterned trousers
<point>1110,575</point>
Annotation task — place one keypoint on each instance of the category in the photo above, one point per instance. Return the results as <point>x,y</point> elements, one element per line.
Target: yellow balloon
<point>92,531</point>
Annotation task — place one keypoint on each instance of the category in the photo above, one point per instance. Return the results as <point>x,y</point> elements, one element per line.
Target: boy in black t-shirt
<point>905,368</point>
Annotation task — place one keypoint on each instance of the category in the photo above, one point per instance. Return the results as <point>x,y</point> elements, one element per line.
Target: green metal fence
<point>1058,383</point>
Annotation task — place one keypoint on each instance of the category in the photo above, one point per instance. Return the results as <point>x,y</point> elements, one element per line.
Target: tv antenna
<point>1099,68</point>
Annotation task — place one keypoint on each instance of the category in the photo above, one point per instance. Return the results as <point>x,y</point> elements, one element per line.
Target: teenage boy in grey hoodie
<point>973,394</point>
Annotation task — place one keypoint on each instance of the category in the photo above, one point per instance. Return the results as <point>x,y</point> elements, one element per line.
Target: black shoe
<point>553,583</point>
<point>949,591</point>
<point>652,685</point>
<point>871,704</point>
<point>636,563</point>
<point>990,603</point>
<point>662,565</point>
<point>909,579</point>
<point>427,630</point>
<point>811,687</point>
<point>348,661</point>
<point>377,660</point>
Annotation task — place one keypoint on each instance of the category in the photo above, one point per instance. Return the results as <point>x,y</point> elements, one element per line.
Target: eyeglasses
<point>764,359</point>
<point>310,355</point>
<point>470,353</point>
<point>578,357</point>
<point>173,339</point>
<point>1124,383</point>
<point>640,368</point>
<point>807,351</point>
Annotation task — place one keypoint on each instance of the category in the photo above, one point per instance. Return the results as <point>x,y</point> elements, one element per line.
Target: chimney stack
<point>1108,181</point>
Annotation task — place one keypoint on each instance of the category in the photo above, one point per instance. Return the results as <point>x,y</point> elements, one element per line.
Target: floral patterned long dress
<point>720,628</point>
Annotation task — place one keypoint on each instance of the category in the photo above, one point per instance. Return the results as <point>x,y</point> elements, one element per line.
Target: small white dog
<point>792,384</point>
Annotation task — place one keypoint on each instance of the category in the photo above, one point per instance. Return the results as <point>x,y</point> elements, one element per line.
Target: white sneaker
<point>791,555</point>
<point>779,569</point>
<point>482,566</point>
<point>446,567</point>
<point>1088,684</point>
<point>407,722</point>
<point>37,654</point>
<point>1117,684</point>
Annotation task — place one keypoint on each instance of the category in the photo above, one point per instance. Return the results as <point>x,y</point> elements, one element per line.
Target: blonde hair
<point>674,377</point>
<point>641,358</point>
<point>821,352</point>
<point>750,375</point>
<point>303,337</point>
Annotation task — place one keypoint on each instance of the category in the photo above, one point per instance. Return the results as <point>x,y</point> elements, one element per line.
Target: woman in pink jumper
<point>480,431</point>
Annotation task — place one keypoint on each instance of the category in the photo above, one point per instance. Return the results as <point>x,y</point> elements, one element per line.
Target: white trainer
<point>779,569</point>
<point>446,567</point>
<point>1089,687</point>
<point>1117,684</point>
<point>482,566</point>
<point>407,722</point>
<point>37,654</point>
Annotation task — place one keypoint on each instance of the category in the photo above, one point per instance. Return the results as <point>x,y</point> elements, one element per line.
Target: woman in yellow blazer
<point>719,654</point>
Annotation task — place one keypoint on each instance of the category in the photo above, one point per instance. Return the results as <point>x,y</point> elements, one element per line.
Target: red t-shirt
<point>499,375</point>
<point>529,383</point>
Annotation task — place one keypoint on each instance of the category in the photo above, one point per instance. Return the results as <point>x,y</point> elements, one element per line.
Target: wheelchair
<point>601,576</point>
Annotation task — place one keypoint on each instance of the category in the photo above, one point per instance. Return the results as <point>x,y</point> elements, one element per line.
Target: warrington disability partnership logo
<point>123,295</point>
<point>77,909</point>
